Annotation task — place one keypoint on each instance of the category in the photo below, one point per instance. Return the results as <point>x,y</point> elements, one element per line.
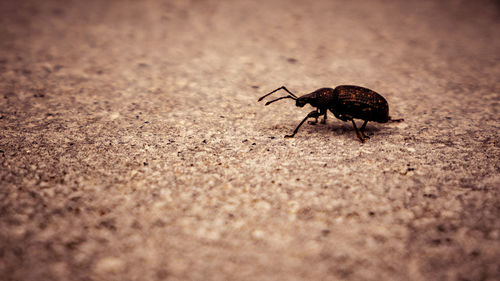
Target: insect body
<point>345,102</point>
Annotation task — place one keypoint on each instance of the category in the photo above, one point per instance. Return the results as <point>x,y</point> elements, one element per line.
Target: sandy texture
<point>132,146</point>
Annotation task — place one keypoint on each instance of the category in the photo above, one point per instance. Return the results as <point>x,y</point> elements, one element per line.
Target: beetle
<point>346,102</point>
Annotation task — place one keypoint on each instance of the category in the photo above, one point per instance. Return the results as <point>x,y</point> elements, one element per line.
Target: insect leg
<point>315,121</point>
<point>357,131</point>
<point>324,118</point>
<point>342,117</point>
<point>312,114</point>
<point>363,126</point>
<point>362,130</point>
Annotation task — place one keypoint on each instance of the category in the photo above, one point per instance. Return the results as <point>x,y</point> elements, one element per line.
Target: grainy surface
<point>132,146</point>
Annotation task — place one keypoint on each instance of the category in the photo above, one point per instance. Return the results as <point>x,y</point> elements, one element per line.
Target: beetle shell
<point>360,103</point>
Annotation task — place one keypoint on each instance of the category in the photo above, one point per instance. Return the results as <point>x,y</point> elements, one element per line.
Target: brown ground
<point>132,146</point>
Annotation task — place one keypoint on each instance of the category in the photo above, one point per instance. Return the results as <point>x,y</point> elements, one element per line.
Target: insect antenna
<point>282,87</point>
<point>286,97</point>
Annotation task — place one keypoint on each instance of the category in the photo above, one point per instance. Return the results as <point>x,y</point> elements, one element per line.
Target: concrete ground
<point>132,146</point>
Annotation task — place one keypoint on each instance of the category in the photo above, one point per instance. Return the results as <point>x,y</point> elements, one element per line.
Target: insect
<point>346,102</point>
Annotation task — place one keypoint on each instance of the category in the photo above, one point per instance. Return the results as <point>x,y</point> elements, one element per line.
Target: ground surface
<point>132,146</point>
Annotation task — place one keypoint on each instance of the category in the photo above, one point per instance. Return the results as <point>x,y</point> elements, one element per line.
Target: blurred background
<point>132,145</point>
